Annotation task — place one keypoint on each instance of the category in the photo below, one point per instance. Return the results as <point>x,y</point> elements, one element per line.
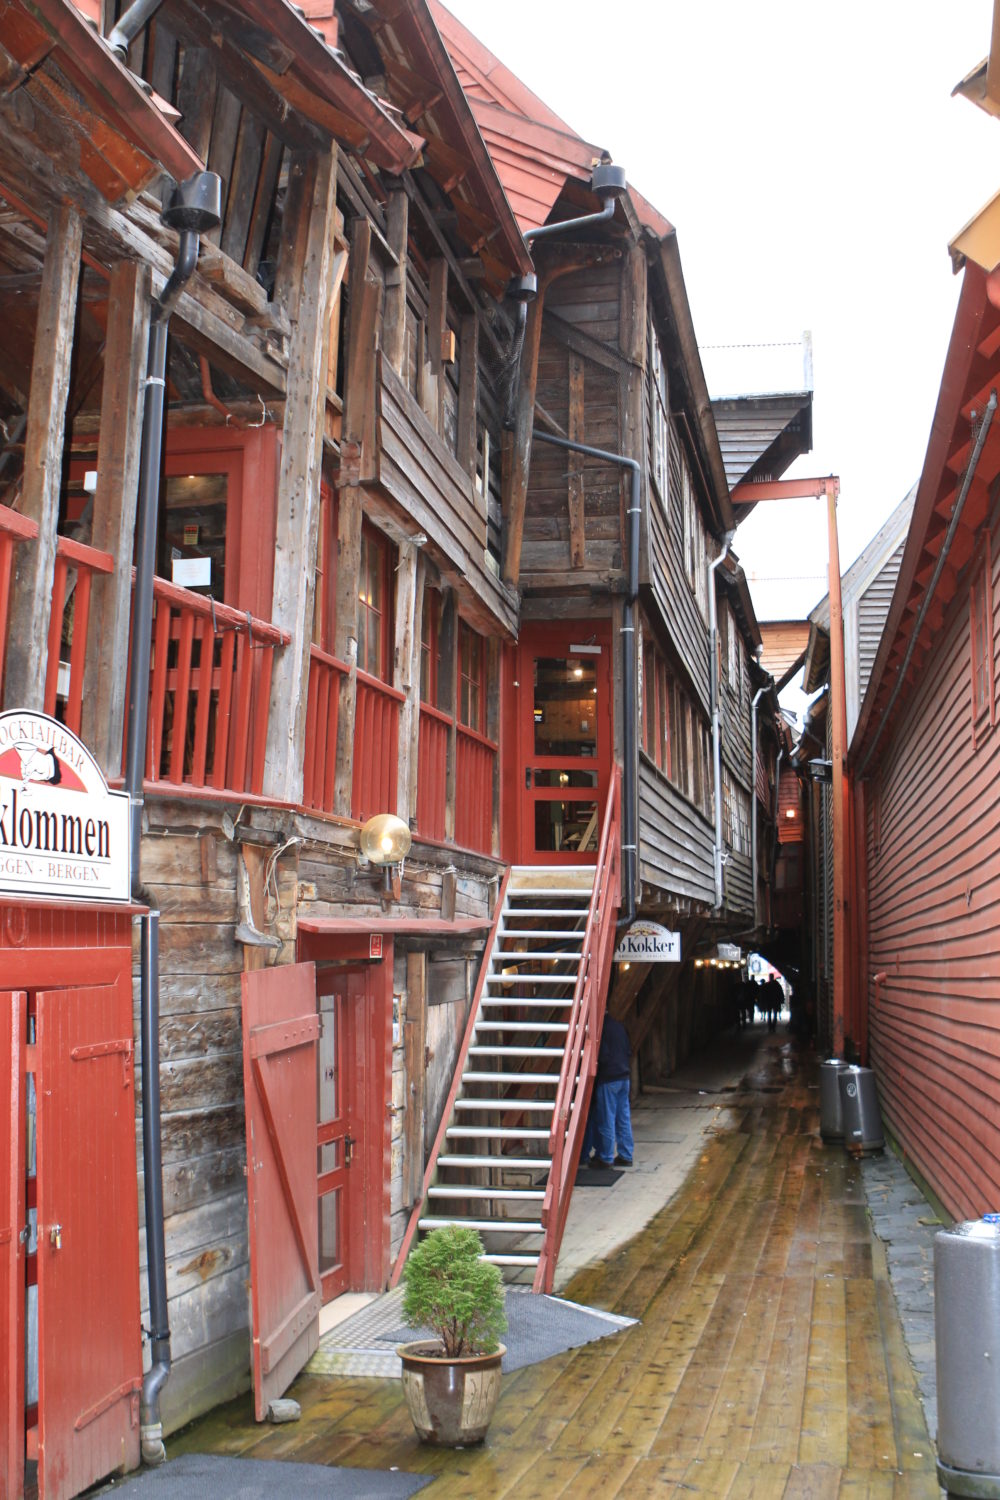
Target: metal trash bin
<point>831,1116</point>
<point>862,1118</point>
<point>967,1336</point>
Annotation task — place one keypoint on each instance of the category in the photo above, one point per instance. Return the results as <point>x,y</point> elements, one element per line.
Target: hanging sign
<point>729,953</point>
<point>649,943</point>
<point>62,832</point>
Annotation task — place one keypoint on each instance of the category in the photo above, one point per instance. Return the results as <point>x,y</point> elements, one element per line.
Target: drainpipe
<point>956,516</point>
<point>128,26</point>
<point>193,207</point>
<point>713,615</point>
<point>753,787</point>
<point>629,693</point>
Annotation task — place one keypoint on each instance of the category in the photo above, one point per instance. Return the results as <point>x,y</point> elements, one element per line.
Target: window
<point>735,814</point>
<point>471,675</point>
<point>433,684</point>
<point>374,604</point>
<point>659,416</point>
<point>325,596</point>
<point>981,634</point>
<point>657,687</point>
<point>733,645</point>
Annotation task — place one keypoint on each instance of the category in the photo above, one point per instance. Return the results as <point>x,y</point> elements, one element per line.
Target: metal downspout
<point>713,616</point>
<point>184,213</point>
<point>629,673</point>
<point>956,516</point>
<point>753,790</point>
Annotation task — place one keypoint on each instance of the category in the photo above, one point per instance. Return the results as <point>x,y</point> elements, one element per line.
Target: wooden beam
<point>31,593</point>
<point>406,669</point>
<point>408,809</point>
<point>414,1071</point>
<point>576,431</point>
<point>436,326</point>
<point>299,477</point>
<point>468,401</point>
<point>126,347</point>
<point>394,315</point>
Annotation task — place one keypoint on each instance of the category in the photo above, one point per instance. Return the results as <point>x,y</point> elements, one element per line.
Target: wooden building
<point>922,763</point>
<point>376,587</point>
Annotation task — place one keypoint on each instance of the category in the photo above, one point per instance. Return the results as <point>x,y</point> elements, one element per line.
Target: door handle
<point>527,778</point>
<point>349,1145</point>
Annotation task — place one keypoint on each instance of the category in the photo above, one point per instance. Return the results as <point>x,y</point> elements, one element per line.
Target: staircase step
<point>529,978</point>
<point>518,1194</point>
<point>531,1162</point>
<point>509,954</point>
<point>527,1002</point>
<point>495,1132</point>
<point>511,1260</point>
<point>539,932</point>
<point>521,1105</point>
<point>486,1226</point>
<point>536,1026</point>
<point>499,1051</point>
<point>549,911</point>
<point>507,1078</point>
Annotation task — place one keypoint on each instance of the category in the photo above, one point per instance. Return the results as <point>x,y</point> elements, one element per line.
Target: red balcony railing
<point>209,686</point>
<point>376,747</point>
<point>475,759</point>
<point>432,772</point>
<point>75,567</point>
<point>320,763</point>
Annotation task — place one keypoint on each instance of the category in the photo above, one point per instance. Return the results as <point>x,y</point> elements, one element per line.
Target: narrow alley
<point>768,1359</point>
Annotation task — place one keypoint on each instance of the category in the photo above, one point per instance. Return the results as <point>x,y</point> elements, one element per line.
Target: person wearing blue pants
<point>612,1117</point>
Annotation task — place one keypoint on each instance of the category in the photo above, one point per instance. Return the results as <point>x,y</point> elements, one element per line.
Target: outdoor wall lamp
<point>385,842</point>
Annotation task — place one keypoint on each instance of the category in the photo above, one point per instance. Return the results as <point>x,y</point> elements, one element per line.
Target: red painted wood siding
<point>432,782</point>
<point>933,983</point>
<point>476,758</point>
<point>376,748</point>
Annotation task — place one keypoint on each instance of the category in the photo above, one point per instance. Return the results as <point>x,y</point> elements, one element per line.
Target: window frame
<point>466,680</point>
<point>373,540</point>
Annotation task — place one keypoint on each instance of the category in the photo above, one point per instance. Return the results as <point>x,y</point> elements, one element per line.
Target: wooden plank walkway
<point>768,1362</point>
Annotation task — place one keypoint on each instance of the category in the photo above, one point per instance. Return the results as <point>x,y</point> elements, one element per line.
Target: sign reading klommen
<point>649,943</point>
<point>62,832</point>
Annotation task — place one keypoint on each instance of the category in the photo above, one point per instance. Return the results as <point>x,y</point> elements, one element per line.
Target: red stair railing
<point>583,1039</point>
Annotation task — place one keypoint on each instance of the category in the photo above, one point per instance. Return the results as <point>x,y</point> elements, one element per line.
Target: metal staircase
<point>506,1151</point>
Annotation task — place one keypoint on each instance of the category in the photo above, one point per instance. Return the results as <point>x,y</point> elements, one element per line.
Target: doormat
<point>537,1327</point>
<point>209,1476</point>
<point>597,1176</point>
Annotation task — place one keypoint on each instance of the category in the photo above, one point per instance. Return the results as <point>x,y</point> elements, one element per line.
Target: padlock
<point>55,1236</point>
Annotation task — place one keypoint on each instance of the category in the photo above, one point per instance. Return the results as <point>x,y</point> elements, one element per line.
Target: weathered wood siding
<point>873,608</point>
<point>672,591</point>
<point>737,882</point>
<point>934,898</point>
<point>588,301</point>
<point>675,840</point>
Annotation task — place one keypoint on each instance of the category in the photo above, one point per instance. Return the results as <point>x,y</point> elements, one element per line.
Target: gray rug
<point>197,1476</point>
<point>537,1327</point>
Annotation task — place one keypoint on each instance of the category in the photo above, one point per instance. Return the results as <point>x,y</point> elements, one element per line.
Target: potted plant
<point>452,1382</point>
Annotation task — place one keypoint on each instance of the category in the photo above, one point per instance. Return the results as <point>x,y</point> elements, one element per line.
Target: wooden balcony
<point>476,758</point>
<point>209,687</point>
<point>376,748</point>
<point>319,769</point>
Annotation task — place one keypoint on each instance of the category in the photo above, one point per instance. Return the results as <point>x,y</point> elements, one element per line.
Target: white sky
<point>815,167</point>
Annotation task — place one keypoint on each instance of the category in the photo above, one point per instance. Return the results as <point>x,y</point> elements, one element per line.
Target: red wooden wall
<point>932,819</point>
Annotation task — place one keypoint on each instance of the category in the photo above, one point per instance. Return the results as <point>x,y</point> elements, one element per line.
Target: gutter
<point>713,612</point>
<point>629,844</point>
<point>193,207</point>
<point>753,789</point>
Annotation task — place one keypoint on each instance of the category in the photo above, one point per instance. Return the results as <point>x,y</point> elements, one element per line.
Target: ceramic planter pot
<point>451,1401</point>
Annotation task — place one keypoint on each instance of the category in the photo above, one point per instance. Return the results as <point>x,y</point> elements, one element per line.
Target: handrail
<point>223,616</point>
<point>459,1069</point>
<point>583,1038</point>
<point>379,686</point>
<point>325,659</point>
<point>21,527</point>
<point>476,736</point>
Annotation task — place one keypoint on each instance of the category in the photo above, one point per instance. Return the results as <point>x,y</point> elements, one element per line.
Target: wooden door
<point>89,1341</point>
<point>280,1030</point>
<point>565,736</point>
<point>13,1012</point>
<point>352,1094</point>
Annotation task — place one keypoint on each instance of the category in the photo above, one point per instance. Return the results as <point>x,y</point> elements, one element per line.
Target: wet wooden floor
<point>768,1362</point>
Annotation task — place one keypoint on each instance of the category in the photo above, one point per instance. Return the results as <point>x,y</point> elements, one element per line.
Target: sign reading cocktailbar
<point>62,832</point>
<point>649,943</point>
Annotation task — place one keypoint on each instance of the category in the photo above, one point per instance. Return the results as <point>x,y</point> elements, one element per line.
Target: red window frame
<point>374,605</point>
<point>982,683</point>
<point>471,678</point>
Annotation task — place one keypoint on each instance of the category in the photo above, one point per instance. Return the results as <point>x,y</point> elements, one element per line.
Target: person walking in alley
<point>612,1114</point>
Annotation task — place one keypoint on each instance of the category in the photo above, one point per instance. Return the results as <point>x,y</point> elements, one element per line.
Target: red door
<point>90,1356</point>
<point>565,740</point>
<point>280,1029</point>
<point>13,1011</point>
<point>353,1124</point>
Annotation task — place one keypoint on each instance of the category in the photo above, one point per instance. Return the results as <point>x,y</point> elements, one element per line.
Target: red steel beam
<point>785,489</point>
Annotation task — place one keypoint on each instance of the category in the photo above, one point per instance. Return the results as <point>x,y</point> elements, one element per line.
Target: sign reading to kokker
<point>649,943</point>
<point>62,832</point>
